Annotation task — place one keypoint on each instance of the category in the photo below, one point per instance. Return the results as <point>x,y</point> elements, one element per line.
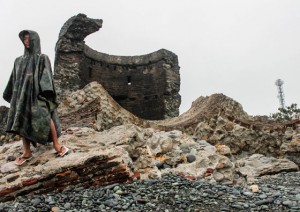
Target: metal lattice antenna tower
<point>280,96</point>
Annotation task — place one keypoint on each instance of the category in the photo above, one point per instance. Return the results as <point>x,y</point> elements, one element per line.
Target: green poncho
<point>31,94</point>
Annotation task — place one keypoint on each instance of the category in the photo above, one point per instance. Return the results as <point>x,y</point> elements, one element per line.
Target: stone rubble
<point>215,141</point>
<point>126,152</point>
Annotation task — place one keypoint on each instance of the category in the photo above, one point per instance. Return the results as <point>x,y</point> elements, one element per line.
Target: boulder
<point>259,165</point>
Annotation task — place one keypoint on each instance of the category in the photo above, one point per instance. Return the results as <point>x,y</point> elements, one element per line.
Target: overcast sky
<point>235,47</point>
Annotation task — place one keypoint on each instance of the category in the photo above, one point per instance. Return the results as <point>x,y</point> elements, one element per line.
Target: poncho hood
<point>35,44</point>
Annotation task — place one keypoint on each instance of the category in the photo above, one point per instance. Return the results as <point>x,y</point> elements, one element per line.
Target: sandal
<point>66,151</point>
<point>25,160</point>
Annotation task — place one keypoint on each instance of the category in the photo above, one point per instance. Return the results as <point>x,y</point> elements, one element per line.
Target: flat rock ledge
<point>87,164</point>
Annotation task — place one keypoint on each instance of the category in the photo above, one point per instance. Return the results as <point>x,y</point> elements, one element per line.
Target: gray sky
<point>235,47</point>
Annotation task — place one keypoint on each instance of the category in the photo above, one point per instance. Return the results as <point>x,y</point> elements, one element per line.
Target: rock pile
<point>121,154</point>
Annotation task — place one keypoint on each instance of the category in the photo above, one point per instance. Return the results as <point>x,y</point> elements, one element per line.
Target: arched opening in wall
<point>90,72</point>
<point>129,80</point>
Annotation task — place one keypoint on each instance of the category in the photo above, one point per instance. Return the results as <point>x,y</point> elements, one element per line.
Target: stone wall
<point>147,85</point>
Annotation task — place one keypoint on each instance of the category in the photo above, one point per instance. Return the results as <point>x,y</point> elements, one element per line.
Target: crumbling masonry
<point>147,85</point>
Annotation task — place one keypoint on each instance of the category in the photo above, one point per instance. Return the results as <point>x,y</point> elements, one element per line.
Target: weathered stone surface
<point>258,165</point>
<point>292,149</point>
<point>92,162</point>
<point>209,164</point>
<point>221,121</point>
<point>115,155</point>
<point>69,48</point>
<point>223,149</point>
<point>147,85</point>
<point>9,168</point>
<point>94,107</point>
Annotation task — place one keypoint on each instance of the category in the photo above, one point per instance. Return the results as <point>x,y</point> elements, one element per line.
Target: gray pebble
<point>191,158</point>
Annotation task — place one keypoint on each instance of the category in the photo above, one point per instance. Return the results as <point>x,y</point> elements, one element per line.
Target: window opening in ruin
<point>129,80</point>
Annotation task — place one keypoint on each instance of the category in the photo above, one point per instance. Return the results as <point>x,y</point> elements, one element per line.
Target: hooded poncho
<point>31,94</point>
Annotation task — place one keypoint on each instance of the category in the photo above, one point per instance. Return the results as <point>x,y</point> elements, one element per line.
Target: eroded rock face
<point>147,86</point>
<point>258,165</point>
<point>94,107</point>
<point>292,149</point>
<point>221,121</point>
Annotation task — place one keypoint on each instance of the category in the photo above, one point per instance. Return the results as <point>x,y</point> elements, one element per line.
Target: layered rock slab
<point>259,165</point>
<point>89,163</point>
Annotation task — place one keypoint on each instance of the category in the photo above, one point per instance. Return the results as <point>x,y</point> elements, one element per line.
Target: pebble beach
<point>280,192</point>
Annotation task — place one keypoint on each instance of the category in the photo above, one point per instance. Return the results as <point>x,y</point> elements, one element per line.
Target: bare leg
<point>56,145</point>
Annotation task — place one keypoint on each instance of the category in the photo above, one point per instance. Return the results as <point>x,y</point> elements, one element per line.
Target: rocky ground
<point>279,192</point>
<point>215,143</point>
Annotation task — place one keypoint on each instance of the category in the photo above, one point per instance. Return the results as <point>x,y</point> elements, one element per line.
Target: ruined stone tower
<point>146,85</point>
